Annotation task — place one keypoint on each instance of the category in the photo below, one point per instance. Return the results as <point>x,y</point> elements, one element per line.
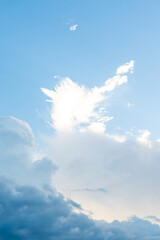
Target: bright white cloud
<point>79,108</point>
<point>128,67</point>
<point>74,27</point>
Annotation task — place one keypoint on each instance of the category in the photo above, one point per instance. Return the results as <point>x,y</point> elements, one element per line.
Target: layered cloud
<point>79,108</point>
<point>30,208</point>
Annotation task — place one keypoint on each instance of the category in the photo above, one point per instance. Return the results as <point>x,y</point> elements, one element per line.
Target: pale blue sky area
<point>36,44</point>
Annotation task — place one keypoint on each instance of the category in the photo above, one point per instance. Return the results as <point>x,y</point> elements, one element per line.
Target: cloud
<point>144,138</point>
<point>103,190</point>
<point>123,165</point>
<point>19,158</point>
<point>79,108</point>
<point>130,105</point>
<point>128,67</point>
<point>30,213</point>
<point>73,28</point>
<point>33,209</point>
<point>128,169</point>
<point>153,219</point>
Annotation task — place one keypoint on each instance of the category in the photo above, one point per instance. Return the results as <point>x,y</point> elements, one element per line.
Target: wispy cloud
<point>130,104</point>
<point>73,27</point>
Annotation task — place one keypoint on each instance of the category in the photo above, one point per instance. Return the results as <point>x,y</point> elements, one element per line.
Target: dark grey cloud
<point>30,213</point>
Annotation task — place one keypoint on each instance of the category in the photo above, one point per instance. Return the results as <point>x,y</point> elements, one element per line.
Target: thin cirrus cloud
<point>79,108</point>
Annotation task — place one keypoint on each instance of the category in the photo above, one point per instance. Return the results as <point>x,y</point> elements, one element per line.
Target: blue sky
<point>79,119</point>
<point>36,44</point>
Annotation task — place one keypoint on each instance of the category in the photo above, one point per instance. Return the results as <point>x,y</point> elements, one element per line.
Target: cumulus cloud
<point>143,138</point>
<point>19,158</point>
<point>122,165</point>
<point>73,28</point>
<point>35,210</point>
<point>126,68</point>
<point>128,170</point>
<point>79,108</point>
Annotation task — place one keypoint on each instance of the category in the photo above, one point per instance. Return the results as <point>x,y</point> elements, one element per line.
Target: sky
<point>79,119</point>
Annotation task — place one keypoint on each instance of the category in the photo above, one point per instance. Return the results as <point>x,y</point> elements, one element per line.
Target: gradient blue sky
<point>93,166</point>
<point>36,44</point>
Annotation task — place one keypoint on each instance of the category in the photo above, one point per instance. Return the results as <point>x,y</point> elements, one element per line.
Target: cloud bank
<point>98,175</point>
<point>128,172</point>
<point>29,213</point>
<point>33,211</point>
<point>30,208</point>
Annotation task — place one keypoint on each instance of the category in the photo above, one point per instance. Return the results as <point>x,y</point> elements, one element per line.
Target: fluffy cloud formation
<point>19,158</point>
<point>120,165</point>
<point>31,209</point>
<point>126,67</point>
<point>127,172</point>
<point>78,108</point>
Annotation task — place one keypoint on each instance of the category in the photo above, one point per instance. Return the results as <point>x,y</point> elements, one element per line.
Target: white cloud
<point>128,169</point>
<point>79,108</point>
<point>130,105</point>
<point>97,127</point>
<point>122,166</point>
<point>56,76</point>
<point>74,27</point>
<point>128,67</point>
<point>144,138</point>
<point>19,157</point>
